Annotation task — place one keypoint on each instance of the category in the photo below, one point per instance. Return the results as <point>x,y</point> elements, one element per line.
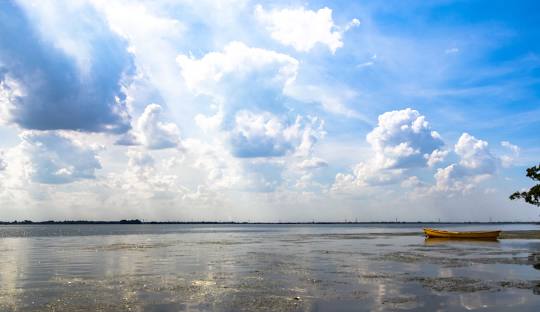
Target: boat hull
<point>461,235</point>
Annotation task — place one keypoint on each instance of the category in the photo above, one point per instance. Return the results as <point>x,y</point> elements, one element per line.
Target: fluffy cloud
<point>312,163</point>
<point>240,77</point>
<point>56,158</point>
<point>265,135</point>
<point>476,163</point>
<point>303,29</point>
<point>151,131</point>
<point>138,23</point>
<point>509,159</point>
<point>154,133</point>
<point>368,175</point>
<point>455,178</point>
<point>364,175</point>
<point>143,175</point>
<point>259,152</point>
<point>514,148</point>
<point>435,157</point>
<point>57,77</point>
<point>210,123</point>
<point>139,161</point>
<point>412,182</point>
<point>144,178</point>
<point>403,139</point>
<point>234,66</point>
<point>221,169</point>
<point>474,155</point>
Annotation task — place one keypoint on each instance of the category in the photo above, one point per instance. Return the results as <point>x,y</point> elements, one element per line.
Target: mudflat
<point>264,268</point>
<point>524,234</point>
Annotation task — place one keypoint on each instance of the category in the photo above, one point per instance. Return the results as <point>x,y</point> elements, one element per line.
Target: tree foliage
<point>533,195</point>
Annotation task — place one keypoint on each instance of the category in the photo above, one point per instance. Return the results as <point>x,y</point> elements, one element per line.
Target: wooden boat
<point>462,235</point>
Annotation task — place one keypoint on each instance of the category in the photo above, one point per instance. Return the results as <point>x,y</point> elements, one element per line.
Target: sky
<point>240,110</point>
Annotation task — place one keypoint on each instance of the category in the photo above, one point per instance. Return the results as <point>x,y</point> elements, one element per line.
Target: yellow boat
<point>462,235</point>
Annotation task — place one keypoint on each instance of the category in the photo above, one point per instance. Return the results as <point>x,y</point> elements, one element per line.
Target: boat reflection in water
<point>441,241</point>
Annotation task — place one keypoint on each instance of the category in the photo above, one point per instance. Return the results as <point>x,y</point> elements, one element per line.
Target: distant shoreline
<point>137,221</point>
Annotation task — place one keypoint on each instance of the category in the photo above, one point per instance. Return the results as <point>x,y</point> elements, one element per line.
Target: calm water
<point>254,267</point>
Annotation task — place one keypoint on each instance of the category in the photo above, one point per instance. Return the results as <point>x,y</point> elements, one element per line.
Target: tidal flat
<point>265,268</point>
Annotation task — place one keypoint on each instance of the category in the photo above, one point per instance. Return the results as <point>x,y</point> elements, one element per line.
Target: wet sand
<point>531,234</point>
<point>269,269</point>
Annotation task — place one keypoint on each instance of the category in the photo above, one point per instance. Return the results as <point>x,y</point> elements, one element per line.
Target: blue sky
<point>245,110</point>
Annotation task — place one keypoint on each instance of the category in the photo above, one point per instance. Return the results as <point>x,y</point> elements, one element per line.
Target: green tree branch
<point>533,195</point>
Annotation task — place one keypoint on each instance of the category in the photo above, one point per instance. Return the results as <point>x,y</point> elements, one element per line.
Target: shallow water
<point>262,267</point>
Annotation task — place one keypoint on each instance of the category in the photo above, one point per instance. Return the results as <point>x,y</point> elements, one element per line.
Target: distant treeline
<point>134,221</point>
<point>137,221</point>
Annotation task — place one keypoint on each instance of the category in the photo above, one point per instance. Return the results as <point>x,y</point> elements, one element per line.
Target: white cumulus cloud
<point>412,182</point>
<point>312,163</point>
<point>514,148</point>
<point>435,157</point>
<point>475,155</point>
<point>221,169</point>
<point>144,178</point>
<point>402,139</point>
<point>151,131</point>
<point>476,163</point>
<point>56,158</point>
<point>237,62</point>
<point>509,159</point>
<point>266,135</point>
<point>452,178</point>
<point>303,29</point>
